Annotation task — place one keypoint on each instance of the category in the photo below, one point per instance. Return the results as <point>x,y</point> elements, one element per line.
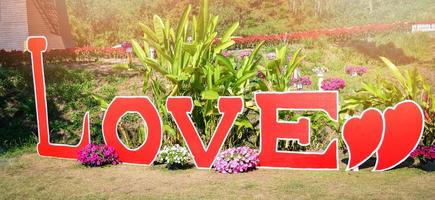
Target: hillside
<point>104,23</point>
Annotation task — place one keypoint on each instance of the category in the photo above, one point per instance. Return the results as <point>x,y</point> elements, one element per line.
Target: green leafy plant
<point>278,72</point>
<point>190,61</point>
<point>407,85</point>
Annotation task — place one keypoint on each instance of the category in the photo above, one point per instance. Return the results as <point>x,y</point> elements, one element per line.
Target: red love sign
<point>392,135</point>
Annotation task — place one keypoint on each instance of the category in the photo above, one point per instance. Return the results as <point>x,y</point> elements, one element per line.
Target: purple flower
<point>126,45</point>
<point>227,54</point>
<point>94,155</point>
<point>245,53</point>
<point>333,84</point>
<point>271,56</point>
<point>424,153</point>
<point>236,160</point>
<point>356,70</point>
<point>261,75</point>
<point>304,80</point>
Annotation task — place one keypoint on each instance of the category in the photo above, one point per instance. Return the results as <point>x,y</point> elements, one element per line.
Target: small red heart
<point>404,126</point>
<point>363,136</point>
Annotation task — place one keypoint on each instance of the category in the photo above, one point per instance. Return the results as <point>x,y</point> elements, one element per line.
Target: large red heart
<point>363,136</point>
<point>404,126</point>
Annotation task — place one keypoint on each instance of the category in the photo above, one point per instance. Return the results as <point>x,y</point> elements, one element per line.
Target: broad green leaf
<point>223,46</point>
<point>168,129</point>
<point>101,101</point>
<point>254,53</point>
<point>222,60</point>
<point>183,22</point>
<point>245,77</point>
<point>149,33</point>
<point>210,95</point>
<point>140,53</point>
<point>394,70</point>
<point>230,31</point>
<point>243,123</point>
<point>159,27</point>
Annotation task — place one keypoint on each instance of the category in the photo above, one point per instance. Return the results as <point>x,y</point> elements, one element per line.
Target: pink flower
<point>94,155</point>
<point>333,84</point>
<point>245,53</point>
<point>227,54</point>
<point>304,80</point>
<point>356,70</point>
<point>236,160</point>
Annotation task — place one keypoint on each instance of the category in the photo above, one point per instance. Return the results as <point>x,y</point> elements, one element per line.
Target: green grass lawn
<point>29,176</point>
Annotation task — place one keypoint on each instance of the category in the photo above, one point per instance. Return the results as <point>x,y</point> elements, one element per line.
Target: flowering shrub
<point>94,155</point>
<point>356,70</point>
<point>333,84</point>
<point>236,160</point>
<point>424,153</point>
<point>174,157</point>
<point>245,53</point>
<point>304,80</point>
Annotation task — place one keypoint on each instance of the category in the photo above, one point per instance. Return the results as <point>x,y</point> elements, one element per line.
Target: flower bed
<point>98,155</point>
<point>175,157</point>
<point>236,160</point>
<point>356,70</point>
<point>82,54</point>
<point>335,32</point>
<point>333,84</point>
<point>425,154</point>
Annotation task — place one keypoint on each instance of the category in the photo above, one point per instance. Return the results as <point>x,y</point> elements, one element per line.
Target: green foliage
<point>408,85</point>
<point>68,98</point>
<point>279,71</point>
<point>194,67</point>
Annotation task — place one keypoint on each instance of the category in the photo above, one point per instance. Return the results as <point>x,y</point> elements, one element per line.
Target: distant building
<point>22,18</point>
<point>423,27</point>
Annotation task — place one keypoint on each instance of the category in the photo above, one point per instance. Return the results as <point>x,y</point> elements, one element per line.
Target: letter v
<point>181,107</point>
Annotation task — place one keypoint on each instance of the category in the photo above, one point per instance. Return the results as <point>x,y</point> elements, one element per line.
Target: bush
<point>408,85</point>
<point>236,160</point>
<point>333,84</point>
<point>424,153</point>
<point>94,155</point>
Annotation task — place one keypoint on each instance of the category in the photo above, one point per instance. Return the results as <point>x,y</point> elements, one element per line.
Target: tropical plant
<point>191,61</point>
<point>408,85</point>
<point>279,71</point>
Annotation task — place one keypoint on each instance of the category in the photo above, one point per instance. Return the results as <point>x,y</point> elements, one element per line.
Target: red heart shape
<point>404,125</point>
<point>362,136</point>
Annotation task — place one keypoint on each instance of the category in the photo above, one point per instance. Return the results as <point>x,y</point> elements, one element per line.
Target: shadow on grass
<point>408,163</point>
<point>371,50</point>
<point>68,91</point>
